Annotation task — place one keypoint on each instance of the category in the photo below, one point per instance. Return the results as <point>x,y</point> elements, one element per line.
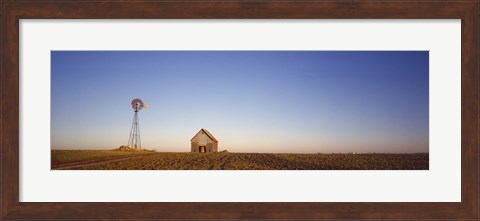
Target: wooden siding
<point>194,147</point>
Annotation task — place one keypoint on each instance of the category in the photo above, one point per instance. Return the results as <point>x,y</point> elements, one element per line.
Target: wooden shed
<point>204,142</point>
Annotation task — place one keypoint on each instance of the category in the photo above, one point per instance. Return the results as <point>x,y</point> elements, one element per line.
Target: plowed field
<point>117,160</point>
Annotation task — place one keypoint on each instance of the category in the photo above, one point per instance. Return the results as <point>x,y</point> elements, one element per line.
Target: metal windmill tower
<point>134,140</point>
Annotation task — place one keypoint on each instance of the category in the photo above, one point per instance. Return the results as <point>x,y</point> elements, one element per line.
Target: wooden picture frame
<point>12,11</point>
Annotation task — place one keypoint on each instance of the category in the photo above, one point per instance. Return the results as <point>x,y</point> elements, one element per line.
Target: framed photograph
<point>269,110</point>
<point>239,110</point>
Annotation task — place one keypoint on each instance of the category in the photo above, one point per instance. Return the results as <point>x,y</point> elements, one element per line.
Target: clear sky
<point>251,101</point>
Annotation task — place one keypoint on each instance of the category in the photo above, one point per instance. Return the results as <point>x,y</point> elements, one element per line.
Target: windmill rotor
<point>137,104</point>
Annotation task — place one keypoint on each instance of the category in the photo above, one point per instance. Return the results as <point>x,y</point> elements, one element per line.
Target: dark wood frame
<point>12,11</point>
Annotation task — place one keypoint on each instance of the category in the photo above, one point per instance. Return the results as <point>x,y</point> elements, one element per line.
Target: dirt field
<point>67,159</point>
<point>125,160</point>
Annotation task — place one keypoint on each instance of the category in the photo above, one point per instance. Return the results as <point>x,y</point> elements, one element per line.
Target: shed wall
<point>202,139</point>
<point>194,147</point>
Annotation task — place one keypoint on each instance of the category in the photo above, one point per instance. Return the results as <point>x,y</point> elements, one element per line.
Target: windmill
<point>134,140</point>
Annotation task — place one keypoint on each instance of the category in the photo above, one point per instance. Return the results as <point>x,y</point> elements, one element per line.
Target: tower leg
<point>134,139</point>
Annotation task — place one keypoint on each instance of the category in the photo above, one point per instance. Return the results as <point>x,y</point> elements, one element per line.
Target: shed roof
<point>207,133</point>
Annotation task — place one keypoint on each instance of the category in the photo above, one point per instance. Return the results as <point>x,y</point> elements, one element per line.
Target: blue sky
<point>251,101</point>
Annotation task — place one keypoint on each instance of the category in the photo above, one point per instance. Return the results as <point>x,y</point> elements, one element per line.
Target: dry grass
<point>250,161</point>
